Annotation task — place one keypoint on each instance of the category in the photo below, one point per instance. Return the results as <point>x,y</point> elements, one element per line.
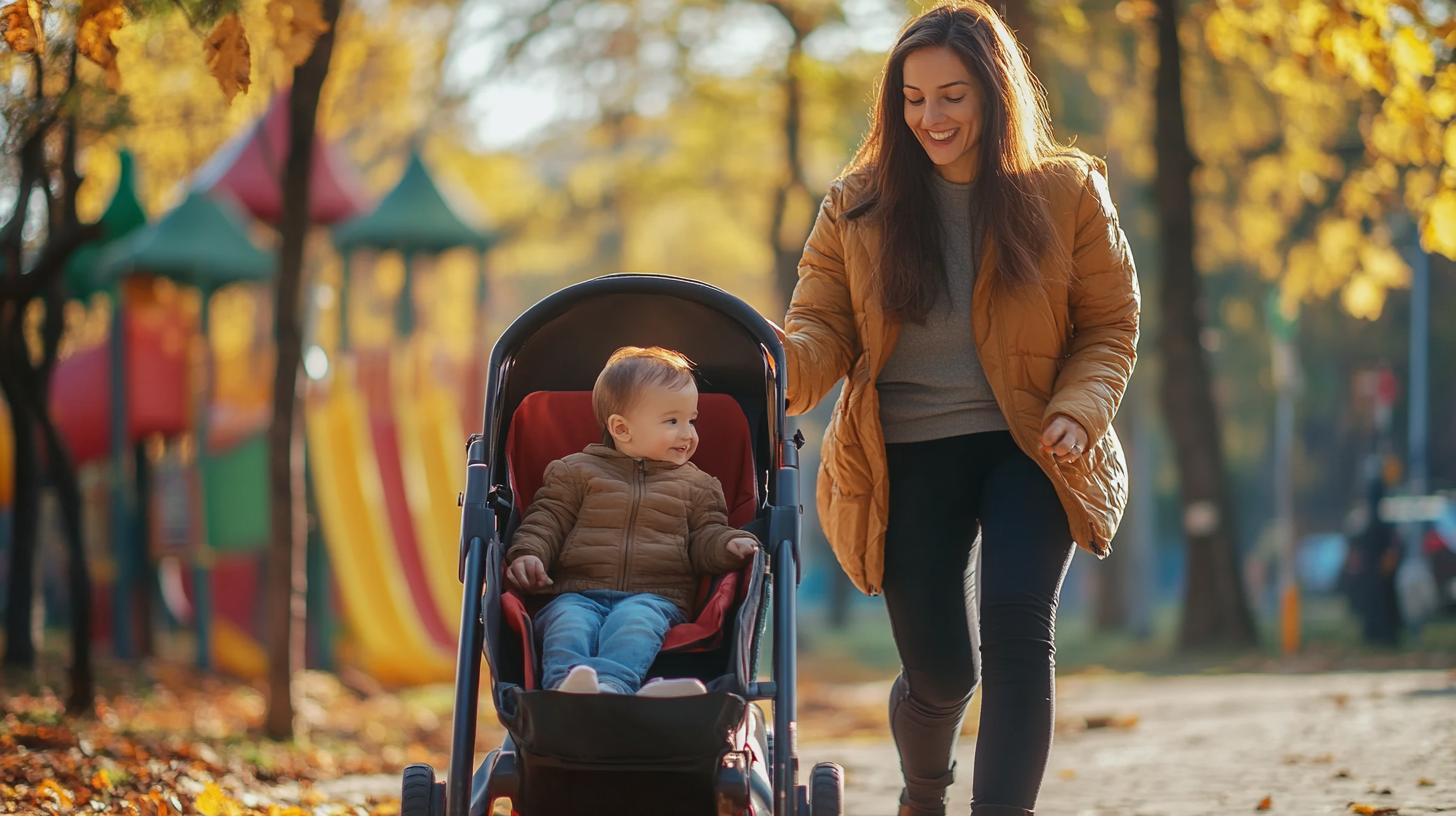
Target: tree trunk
<point>286,552</point>
<point>62,470</point>
<point>1021,19</point>
<point>786,253</point>
<point>1109,595</point>
<point>1215,611</point>
<point>68,494</point>
<point>25,514</point>
<point>141,539</point>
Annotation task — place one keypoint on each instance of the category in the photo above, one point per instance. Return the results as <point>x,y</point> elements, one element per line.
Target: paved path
<point>1178,746</point>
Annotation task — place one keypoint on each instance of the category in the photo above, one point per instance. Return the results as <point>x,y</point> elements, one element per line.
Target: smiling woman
<point>943,110</point>
<point>968,279</point>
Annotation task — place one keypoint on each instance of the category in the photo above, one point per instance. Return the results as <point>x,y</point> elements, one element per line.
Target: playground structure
<point>183,456</point>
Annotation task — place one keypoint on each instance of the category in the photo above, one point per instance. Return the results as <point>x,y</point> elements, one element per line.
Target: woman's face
<point>943,110</point>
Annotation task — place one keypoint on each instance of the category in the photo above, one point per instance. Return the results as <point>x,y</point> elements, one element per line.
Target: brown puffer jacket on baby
<point>604,520</point>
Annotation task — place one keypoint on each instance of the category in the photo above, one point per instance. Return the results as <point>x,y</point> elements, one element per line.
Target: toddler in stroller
<point>621,530</point>
<point>711,752</point>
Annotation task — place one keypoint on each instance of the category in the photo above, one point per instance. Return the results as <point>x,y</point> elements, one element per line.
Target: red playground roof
<point>249,169</point>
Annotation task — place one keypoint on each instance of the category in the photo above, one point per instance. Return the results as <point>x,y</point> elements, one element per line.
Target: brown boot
<point>908,809</point>
<point>920,732</point>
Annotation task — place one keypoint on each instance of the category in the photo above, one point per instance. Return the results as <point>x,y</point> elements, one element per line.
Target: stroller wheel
<point>420,794</point>
<point>826,790</point>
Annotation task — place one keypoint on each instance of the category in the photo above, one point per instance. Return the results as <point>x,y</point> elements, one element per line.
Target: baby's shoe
<point>580,680</point>
<point>673,687</point>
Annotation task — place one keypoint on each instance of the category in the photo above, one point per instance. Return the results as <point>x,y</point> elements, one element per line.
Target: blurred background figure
<point>1374,556</point>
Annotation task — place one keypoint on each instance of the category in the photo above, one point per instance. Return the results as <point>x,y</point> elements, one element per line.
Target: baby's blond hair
<point>632,368</point>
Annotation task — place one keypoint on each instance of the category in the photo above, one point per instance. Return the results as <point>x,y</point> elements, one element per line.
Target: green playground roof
<point>413,217</point>
<point>123,215</point>
<point>202,243</point>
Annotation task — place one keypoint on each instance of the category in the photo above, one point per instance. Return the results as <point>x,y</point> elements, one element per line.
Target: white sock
<point>580,680</point>
<point>673,687</point>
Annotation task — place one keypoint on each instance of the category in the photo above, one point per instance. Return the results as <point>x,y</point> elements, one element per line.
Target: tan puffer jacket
<point>604,520</point>
<point>1067,349</point>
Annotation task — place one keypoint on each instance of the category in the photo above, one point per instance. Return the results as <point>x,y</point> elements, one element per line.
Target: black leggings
<point>942,493</point>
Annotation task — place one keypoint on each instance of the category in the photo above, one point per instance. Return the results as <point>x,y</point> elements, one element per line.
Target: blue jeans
<point>616,633</point>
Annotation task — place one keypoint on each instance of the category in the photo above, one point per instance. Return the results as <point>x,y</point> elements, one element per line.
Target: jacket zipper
<point>638,476</point>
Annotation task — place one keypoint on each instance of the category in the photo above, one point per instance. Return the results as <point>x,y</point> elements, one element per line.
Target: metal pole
<point>784,528</point>
<point>1420,331</point>
<point>202,559</point>
<point>344,275</point>
<point>404,315</point>
<point>1284,365</point>
<point>122,547</point>
<point>1139,547</point>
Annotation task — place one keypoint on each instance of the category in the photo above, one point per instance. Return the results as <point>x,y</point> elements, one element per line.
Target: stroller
<point>570,754</point>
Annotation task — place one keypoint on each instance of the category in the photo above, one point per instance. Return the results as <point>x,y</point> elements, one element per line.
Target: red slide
<point>375,382</point>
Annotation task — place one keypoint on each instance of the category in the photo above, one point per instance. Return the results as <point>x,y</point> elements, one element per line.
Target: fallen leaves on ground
<point>1118,721</point>
<point>1373,810</point>
<point>172,741</point>
<point>1265,804</point>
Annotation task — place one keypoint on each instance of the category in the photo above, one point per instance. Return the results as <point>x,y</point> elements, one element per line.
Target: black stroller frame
<point>591,319</point>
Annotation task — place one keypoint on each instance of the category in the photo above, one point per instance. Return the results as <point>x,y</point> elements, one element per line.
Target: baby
<point>622,530</point>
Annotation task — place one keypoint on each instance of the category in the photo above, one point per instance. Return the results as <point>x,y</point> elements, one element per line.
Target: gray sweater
<point>932,387</point>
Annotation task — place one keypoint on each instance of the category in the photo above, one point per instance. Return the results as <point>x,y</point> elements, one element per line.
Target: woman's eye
<point>916,101</point>
<point>954,99</point>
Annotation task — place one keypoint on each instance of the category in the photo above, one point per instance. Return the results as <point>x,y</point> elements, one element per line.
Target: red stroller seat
<point>551,424</point>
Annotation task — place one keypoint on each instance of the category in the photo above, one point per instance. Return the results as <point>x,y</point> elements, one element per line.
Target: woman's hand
<point>1064,438</point>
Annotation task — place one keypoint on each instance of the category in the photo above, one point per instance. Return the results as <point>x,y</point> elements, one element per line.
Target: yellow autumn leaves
<point>98,21</point>
<point>1372,63</point>
<point>21,32</point>
<point>228,55</point>
<point>297,25</point>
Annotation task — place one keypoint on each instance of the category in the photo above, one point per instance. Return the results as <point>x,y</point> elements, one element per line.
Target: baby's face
<point>660,425</point>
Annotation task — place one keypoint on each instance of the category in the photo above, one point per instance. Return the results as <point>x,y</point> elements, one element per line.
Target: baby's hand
<point>743,546</point>
<point>528,573</point>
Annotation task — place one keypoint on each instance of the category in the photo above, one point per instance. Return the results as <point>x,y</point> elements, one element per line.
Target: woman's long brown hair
<point>1016,141</point>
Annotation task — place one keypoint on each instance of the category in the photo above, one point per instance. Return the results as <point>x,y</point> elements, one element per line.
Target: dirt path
<point>1177,746</point>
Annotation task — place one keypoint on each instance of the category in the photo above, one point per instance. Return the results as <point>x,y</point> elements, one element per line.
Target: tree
<point>1215,612</point>
<point>288,526</point>
<point>62,109</point>
<point>45,113</point>
<point>1362,95</point>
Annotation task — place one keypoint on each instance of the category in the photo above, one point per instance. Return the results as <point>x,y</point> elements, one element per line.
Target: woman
<point>967,276</point>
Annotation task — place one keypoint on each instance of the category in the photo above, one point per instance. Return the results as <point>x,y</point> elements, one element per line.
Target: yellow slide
<point>235,652</point>
<point>389,642</point>
<point>425,417</point>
